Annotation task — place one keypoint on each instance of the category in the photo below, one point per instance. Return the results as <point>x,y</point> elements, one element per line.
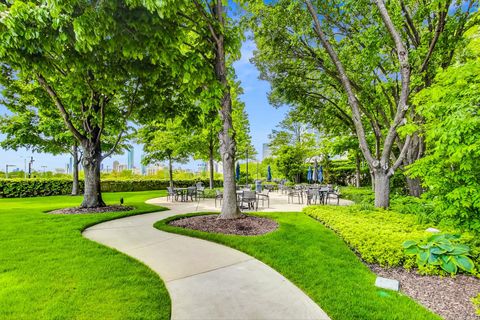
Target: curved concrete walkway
<point>207,280</point>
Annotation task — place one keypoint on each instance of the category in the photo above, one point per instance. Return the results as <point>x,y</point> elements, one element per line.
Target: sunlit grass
<point>49,271</point>
<point>320,263</point>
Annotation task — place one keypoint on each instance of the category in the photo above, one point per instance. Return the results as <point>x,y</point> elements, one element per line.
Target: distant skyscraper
<point>116,164</point>
<point>144,168</point>
<point>266,152</point>
<point>130,159</point>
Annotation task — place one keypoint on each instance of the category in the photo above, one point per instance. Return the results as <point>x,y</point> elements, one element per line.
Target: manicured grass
<point>320,263</point>
<point>49,271</point>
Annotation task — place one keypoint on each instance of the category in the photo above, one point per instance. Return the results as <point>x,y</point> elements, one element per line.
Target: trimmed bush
<point>16,188</point>
<point>376,235</point>
<point>476,302</point>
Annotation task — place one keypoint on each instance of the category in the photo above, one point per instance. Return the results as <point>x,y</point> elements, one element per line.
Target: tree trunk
<point>382,189</point>
<point>228,145</point>
<point>211,171</point>
<point>92,158</point>
<point>415,152</point>
<point>170,171</point>
<point>357,170</point>
<point>75,184</point>
<point>414,187</point>
<point>372,179</point>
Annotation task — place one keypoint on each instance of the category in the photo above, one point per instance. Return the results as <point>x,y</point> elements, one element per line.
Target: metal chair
<point>200,190</point>
<point>264,196</point>
<point>335,194</point>
<point>292,193</point>
<point>171,194</point>
<point>218,196</point>
<point>250,199</point>
<point>191,192</point>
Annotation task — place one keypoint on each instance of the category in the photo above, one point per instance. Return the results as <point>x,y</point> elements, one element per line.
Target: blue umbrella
<point>320,174</point>
<point>269,173</point>
<point>309,174</point>
<point>237,173</point>
<point>315,172</point>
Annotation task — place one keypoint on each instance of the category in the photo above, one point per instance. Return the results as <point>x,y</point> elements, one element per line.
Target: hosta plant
<point>441,250</point>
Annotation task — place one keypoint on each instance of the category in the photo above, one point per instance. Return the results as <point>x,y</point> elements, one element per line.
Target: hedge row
<point>16,188</point>
<point>376,235</point>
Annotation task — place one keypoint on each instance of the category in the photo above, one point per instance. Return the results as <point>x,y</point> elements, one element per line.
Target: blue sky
<point>263,118</point>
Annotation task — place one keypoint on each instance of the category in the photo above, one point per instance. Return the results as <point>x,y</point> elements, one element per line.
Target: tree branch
<point>438,30</point>
<point>346,84</point>
<point>402,106</point>
<point>58,103</point>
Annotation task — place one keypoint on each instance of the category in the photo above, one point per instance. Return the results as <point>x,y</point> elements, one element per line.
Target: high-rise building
<point>116,164</point>
<point>130,164</point>
<point>266,152</point>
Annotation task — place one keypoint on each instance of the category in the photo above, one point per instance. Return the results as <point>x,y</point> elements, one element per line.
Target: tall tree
<point>224,43</point>
<point>357,62</point>
<point>166,140</point>
<point>89,58</point>
<point>292,145</point>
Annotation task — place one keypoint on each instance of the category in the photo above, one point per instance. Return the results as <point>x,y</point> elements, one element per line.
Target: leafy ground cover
<point>49,271</point>
<point>320,263</point>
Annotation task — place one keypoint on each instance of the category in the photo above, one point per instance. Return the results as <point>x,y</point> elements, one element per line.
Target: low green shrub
<point>476,302</point>
<point>376,235</point>
<point>16,188</point>
<point>441,251</point>
<point>358,195</point>
<point>412,205</point>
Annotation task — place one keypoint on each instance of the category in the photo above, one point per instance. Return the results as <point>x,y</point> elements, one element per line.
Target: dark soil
<point>245,226</point>
<point>78,210</point>
<point>446,296</point>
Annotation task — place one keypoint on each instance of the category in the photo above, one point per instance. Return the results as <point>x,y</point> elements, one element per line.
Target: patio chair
<point>191,192</point>
<point>264,196</point>
<point>333,195</point>
<point>312,196</point>
<point>171,194</point>
<point>250,199</point>
<point>292,193</point>
<point>218,196</point>
<point>200,190</point>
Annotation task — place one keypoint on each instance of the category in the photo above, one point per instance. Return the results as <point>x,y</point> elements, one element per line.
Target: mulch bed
<point>245,226</point>
<point>78,210</point>
<point>448,297</point>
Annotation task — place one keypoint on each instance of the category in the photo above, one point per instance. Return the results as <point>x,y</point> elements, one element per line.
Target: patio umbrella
<point>320,174</point>
<point>237,172</point>
<point>309,174</point>
<point>269,173</point>
<point>315,172</point>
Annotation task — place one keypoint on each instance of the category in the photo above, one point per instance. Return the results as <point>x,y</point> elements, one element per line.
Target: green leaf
<point>459,249</point>
<point>464,262</point>
<point>437,250</point>
<point>412,250</point>
<point>448,266</point>
<point>409,243</point>
<point>422,258</point>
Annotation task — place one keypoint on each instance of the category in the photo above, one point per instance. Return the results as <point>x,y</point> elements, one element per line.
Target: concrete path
<point>207,280</point>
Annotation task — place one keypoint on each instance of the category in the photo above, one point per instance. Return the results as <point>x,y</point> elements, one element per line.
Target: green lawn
<point>49,271</point>
<point>319,262</point>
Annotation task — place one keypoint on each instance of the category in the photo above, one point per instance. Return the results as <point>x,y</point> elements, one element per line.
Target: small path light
<point>121,200</point>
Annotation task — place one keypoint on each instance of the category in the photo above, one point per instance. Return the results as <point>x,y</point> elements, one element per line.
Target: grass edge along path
<point>316,260</point>
<point>48,270</point>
